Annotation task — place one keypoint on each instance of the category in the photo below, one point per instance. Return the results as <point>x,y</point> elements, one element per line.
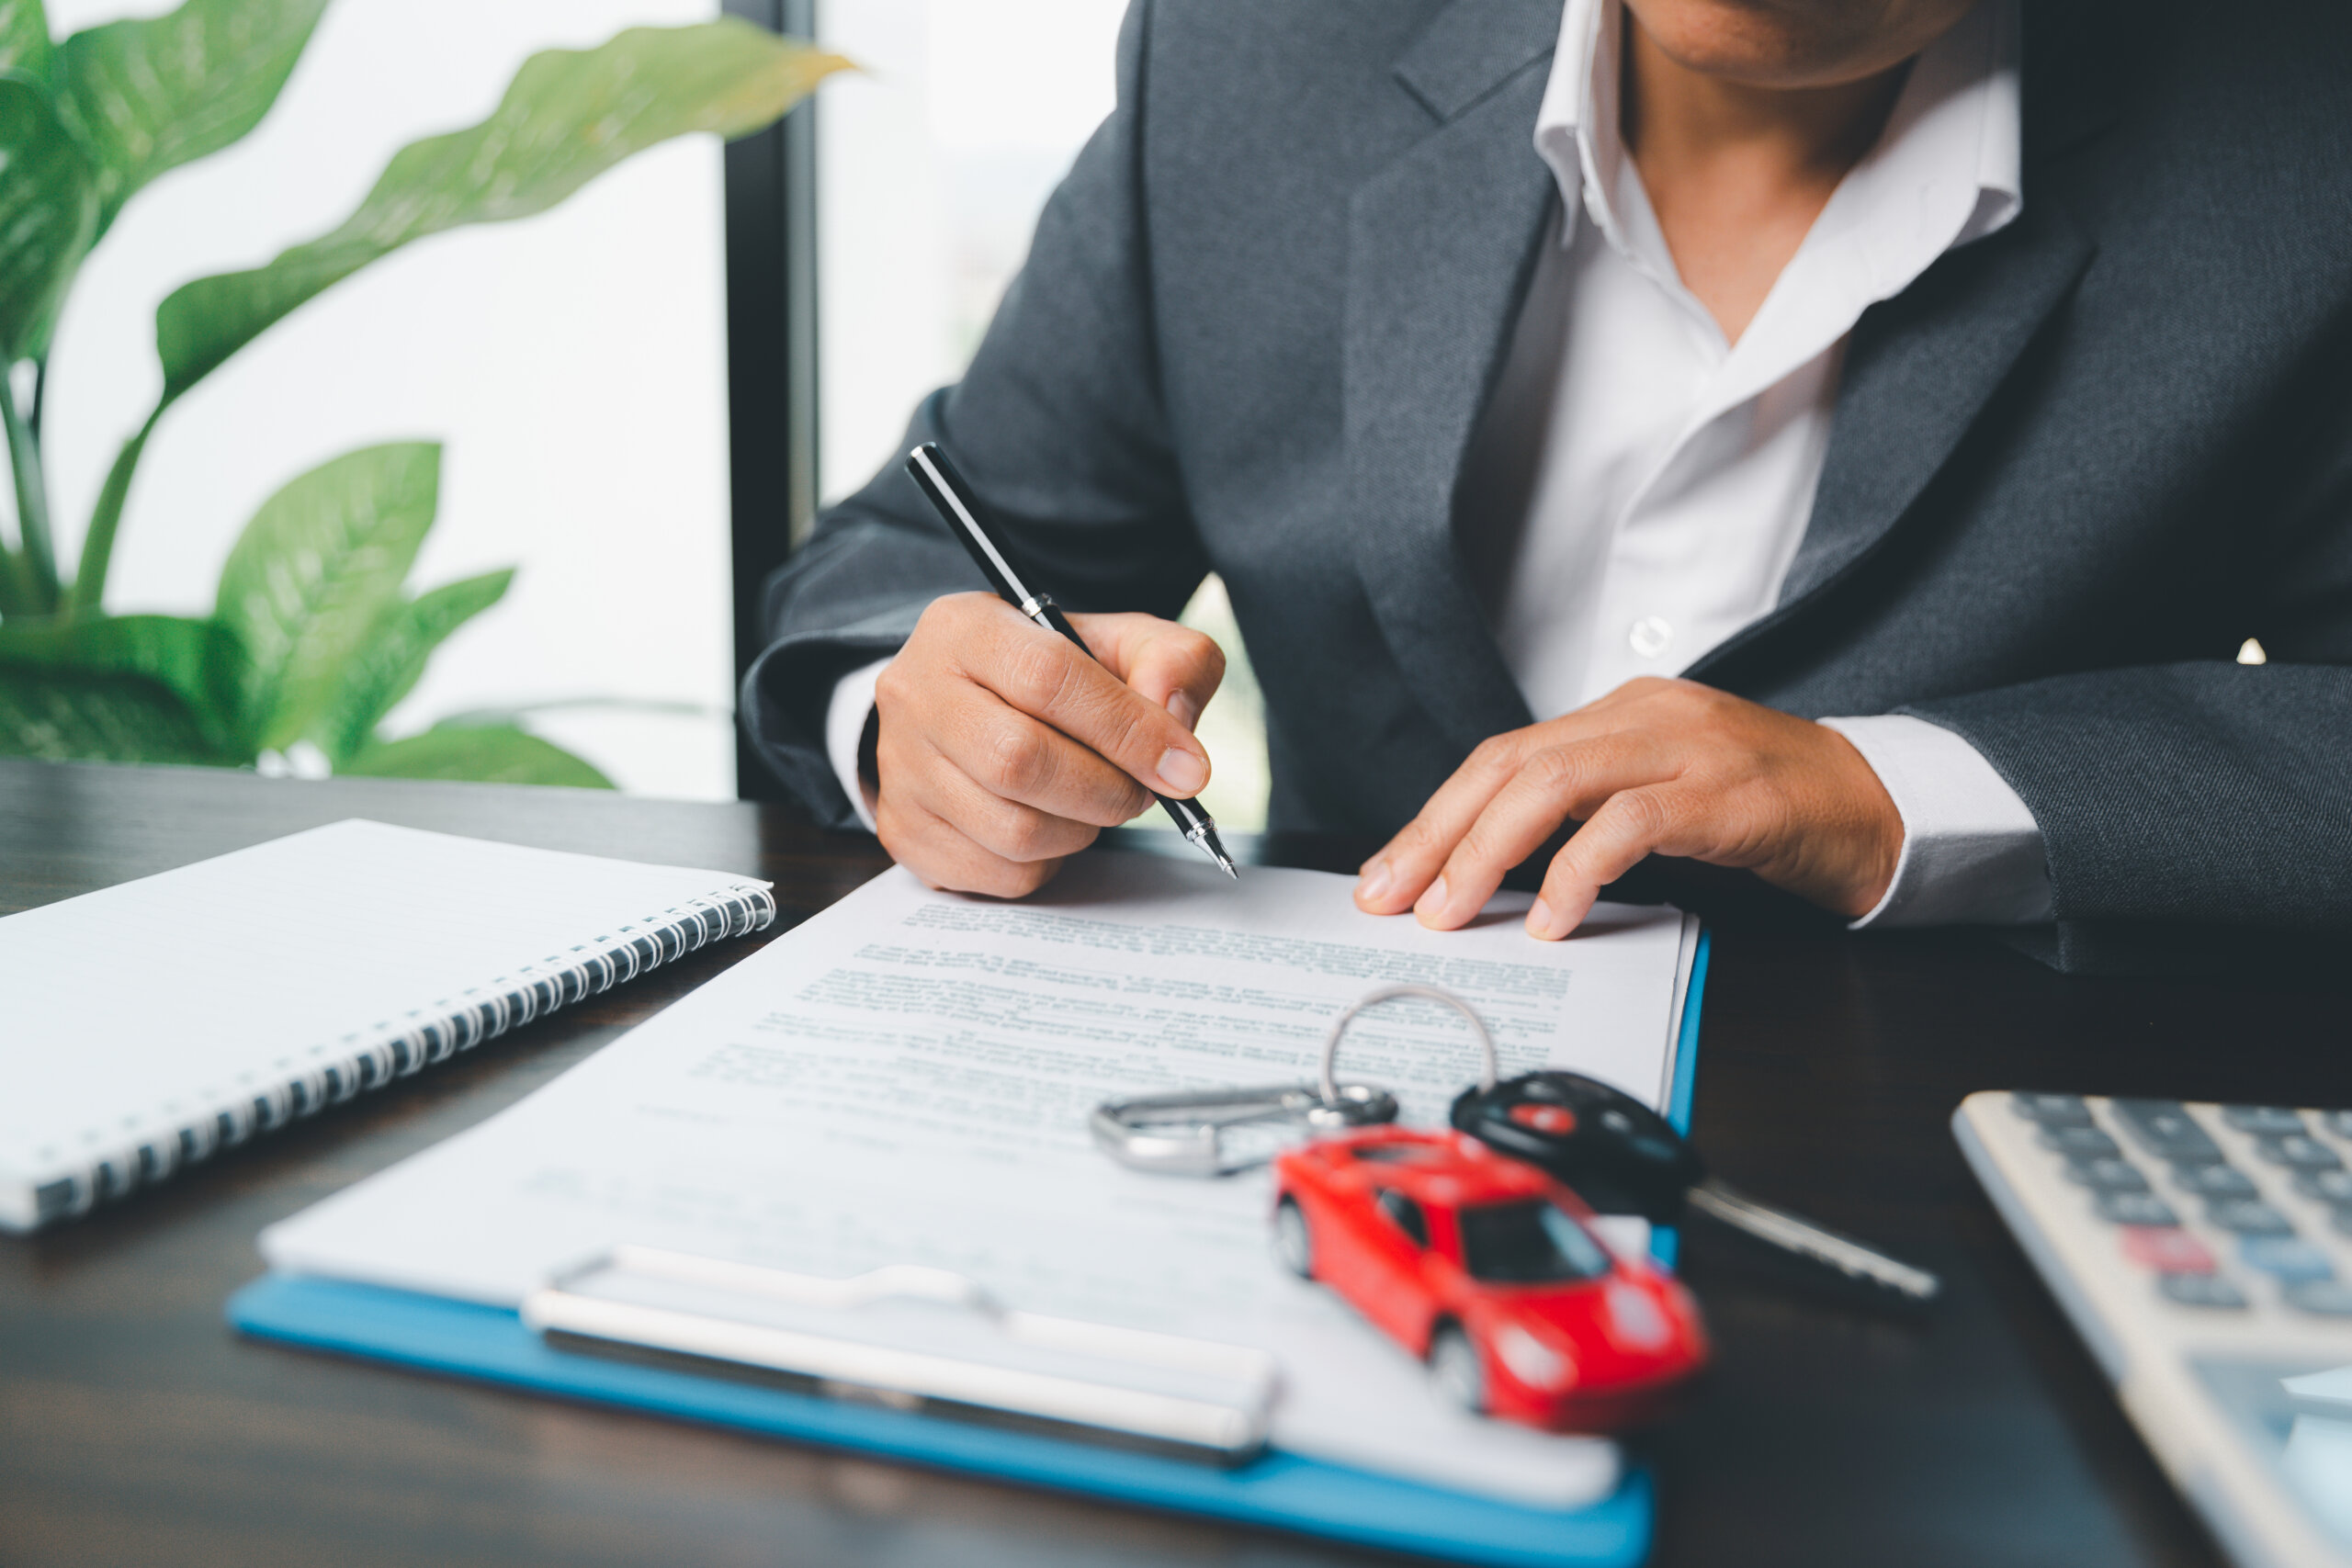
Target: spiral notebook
<point>152,1024</point>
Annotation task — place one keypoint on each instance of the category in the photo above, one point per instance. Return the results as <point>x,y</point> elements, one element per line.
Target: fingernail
<point>1374,886</point>
<point>1187,711</point>
<point>1541,921</point>
<point>1432,903</point>
<point>1181,773</point>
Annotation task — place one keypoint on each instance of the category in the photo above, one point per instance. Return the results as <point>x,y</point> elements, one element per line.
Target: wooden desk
<point>134,1428</point>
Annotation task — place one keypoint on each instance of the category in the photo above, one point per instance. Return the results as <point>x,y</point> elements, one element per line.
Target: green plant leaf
<point>485,754</point>
<point>312,572</point>
<point>48,213</point>
<point>568,115</point>
<point>195,663</point>
<point>23,37</point>
<point>392,657</point>
<point>65,714</point>
<point>154,93</point>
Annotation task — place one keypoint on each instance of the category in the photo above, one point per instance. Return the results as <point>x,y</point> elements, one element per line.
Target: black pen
<point>968,521</point>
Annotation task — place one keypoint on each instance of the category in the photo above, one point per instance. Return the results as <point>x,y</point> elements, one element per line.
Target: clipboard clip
<point>914,1339</point>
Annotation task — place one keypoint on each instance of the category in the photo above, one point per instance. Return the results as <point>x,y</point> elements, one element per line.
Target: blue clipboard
<point>1278,1490</point>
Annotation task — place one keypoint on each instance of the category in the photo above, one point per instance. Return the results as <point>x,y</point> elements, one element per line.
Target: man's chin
<point>1794,44</point>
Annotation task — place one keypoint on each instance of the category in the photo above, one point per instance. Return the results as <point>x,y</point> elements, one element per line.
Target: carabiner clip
<point>1183,1134</point>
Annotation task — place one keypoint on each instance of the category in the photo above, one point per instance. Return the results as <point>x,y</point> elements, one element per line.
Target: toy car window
<point>1405,1213</point>
<point>1526,1242</point>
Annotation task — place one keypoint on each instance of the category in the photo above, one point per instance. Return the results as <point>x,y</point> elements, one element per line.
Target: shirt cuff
<point>845,715</point>
<point>1972,852</point>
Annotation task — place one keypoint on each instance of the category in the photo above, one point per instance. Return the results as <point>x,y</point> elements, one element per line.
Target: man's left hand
<point>1656,767</point>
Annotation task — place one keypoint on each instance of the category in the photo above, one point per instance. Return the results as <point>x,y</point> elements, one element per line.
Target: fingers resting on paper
<point>999,749</point>
<point>1656,767</point>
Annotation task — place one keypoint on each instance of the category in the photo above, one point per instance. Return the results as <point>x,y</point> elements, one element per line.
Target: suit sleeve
<point>2191,807</point>
<point>1059,426</point>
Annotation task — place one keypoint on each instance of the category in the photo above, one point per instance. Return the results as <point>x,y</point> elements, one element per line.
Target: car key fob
<point>1613,1151</point>
<point>1621,1157</point>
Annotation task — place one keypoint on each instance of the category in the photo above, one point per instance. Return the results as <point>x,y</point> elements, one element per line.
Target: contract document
<point>906,1078</point>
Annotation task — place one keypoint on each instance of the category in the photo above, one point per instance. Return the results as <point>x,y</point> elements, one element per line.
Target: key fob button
<point>1609,1149</point>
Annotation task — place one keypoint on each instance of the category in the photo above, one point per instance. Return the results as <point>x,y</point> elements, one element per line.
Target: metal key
<point>1622,1157</point>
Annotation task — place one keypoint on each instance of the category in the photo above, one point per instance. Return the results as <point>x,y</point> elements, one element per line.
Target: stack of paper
<point>906,1078</point>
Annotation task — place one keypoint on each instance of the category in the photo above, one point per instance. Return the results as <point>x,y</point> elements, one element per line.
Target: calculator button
<point>2135,1208</point>
<point>2169,1251</point>
<point>2107,1175</point>
<point>2299,1152</point>
<point>2166,1131</point>
<point>2248,1217</point>
<point>2286,1258</point>
<point>2263,1121</point>
<point>2053,1109</point>
<point>2214,1181</point>
<point>2080,1142</point>
<point>2321,1298</point>
<point>2202,1291</point>
<point>2327,1186</point>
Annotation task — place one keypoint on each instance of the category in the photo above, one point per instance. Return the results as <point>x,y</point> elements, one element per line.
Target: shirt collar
<point>1953,133</point>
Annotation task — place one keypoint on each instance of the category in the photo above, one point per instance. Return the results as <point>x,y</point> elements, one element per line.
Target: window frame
<point>771,247</point>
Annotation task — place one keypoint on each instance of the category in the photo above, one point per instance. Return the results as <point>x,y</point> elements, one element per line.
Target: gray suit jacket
<point>2072,467</point>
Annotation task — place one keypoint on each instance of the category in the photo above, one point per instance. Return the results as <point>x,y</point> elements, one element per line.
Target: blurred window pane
<point>932,170</point>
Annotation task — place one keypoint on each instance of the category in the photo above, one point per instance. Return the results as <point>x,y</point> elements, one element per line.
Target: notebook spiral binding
<point>370,1059</point>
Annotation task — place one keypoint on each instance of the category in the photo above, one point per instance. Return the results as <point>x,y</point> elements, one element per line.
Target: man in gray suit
<point>1845,439</point>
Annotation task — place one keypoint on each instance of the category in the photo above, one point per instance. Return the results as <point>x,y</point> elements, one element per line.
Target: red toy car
<point>1486,1268</point>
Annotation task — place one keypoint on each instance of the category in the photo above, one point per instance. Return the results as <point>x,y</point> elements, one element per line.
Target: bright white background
<point>931,169</point>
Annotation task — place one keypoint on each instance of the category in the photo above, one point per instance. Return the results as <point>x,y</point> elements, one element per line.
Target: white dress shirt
<point>1673,473</point>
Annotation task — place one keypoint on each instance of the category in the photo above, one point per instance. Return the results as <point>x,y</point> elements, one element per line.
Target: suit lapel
<point>1918,371</point>
<point>1441,243</point>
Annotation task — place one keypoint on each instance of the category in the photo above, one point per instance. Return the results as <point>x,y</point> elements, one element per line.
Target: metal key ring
<point>1330,1085</point>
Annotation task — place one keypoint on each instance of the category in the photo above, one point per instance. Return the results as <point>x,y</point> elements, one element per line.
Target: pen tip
<point>1209,842</point>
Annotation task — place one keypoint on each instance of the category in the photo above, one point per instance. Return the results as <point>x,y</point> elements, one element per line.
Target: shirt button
<point>1649,636</point>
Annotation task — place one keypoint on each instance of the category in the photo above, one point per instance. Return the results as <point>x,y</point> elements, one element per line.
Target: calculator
<point>2204,1252</point>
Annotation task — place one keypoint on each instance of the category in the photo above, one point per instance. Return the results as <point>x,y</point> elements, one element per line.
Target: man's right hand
<point>1001,748</point>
